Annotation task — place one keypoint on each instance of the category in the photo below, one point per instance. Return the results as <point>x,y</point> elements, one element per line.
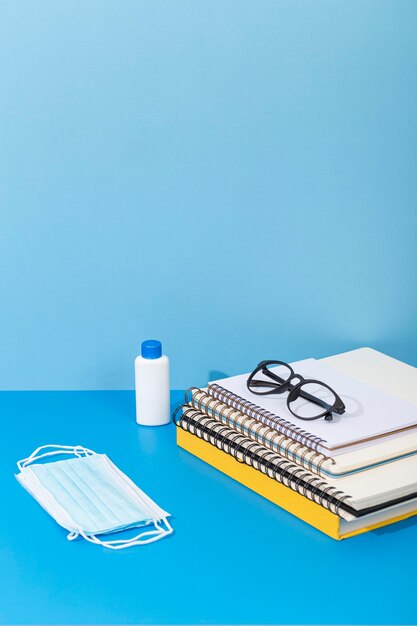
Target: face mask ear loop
<point>168,529</point>
<point>120,544</point>
<point>78,451</point>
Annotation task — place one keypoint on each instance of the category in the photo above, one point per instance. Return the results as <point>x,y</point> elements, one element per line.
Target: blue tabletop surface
<point>234,557</point>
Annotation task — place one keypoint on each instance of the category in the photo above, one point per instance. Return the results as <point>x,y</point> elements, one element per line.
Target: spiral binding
<point>265,435</point>
<point>245,450</point>
<point>273,421</point>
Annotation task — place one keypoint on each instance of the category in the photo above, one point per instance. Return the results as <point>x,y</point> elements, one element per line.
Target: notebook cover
<point>333,467</point>
<point>275,492</point>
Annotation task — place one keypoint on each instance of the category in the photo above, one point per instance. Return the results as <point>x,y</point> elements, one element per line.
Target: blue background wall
<point>238,179</point>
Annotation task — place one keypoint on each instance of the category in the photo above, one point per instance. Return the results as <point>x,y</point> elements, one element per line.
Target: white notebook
<point>370,412</point>
<point>379,485</point>
<point>356,459</point>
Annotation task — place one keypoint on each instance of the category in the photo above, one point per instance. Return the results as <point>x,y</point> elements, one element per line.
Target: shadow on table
<point>393,528</point>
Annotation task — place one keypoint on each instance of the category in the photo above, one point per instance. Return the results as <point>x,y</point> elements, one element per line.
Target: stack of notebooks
<point>344,477</point>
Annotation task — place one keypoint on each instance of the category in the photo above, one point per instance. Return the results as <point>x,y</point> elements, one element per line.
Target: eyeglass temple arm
<point>268,372</point>
<point>262,383</point>
<point>337,407</point>
<point>265,383</point>
<point>307,396</point>
<point>283,385</point>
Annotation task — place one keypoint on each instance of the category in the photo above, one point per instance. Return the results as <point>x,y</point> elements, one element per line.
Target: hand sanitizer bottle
<point>152,385</point>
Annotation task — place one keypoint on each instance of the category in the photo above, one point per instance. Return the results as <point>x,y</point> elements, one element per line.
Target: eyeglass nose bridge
<point>298,378</point>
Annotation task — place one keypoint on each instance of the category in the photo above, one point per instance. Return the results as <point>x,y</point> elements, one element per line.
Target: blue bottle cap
<point>151,349</point>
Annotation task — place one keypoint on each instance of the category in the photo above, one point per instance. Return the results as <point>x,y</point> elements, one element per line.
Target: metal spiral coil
<point>263,415</point>
<point>246,450</point>
<point>263,432</point>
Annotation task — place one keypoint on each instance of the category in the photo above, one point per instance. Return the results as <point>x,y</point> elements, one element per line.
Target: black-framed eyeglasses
<point>308,399</point>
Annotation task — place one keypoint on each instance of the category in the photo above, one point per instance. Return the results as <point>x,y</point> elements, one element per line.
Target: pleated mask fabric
<point>89,496</point>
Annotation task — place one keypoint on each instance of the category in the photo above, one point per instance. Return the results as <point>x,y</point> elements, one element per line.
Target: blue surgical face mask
<point>89,496</point>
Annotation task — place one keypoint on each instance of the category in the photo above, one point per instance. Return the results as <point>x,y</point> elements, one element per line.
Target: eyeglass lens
<point>269,377</point>
<point>304,407</point>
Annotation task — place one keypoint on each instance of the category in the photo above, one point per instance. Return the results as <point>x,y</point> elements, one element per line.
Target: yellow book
<point>314,514</point>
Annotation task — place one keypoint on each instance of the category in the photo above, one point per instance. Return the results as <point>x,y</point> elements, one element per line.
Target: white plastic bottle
<point>152,385</point>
